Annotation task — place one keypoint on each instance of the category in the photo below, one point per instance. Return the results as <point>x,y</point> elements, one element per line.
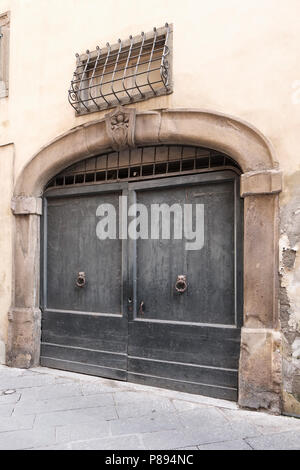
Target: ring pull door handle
<point>81,279</point>
<point>181,284</point>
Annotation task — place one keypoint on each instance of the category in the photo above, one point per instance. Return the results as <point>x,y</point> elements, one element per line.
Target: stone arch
<point>260,369</point>
<point>240,140</point>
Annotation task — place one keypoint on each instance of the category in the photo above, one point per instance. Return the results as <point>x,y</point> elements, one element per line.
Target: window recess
<point>4,53</point>
<point>132,70</point>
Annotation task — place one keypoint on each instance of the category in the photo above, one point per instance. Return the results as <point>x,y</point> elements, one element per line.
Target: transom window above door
<point>144,163</point>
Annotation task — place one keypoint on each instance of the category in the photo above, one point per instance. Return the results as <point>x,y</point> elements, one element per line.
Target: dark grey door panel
<point>83,328</point>
<point>128,322</point>
<point>210,294</point>
<point>189,341</point>
<point>73,247</point>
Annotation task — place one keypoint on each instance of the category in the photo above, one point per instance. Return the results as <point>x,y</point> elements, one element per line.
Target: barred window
<point>132,70</point>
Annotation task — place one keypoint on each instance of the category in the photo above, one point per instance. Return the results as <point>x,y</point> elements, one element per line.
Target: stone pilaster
<point>24,330</point>
<point>260,360</point>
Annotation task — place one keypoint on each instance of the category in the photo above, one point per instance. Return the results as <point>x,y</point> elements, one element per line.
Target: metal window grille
<point>129,71</point>
<point>143,163</point>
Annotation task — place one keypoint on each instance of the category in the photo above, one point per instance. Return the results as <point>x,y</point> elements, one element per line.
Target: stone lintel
<point>22,205</point>
<point>260,371</point>
<point>261,182</point>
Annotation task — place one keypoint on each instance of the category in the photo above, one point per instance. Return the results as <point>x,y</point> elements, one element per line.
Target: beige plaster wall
<point>6,168</point>
<point>240,58</point>
<point>235,57</point>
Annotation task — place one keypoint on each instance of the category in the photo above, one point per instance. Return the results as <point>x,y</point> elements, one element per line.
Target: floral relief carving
<point>120,126</point>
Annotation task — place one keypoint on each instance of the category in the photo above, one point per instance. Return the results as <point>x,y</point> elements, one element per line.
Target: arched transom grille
<point>143,163</point>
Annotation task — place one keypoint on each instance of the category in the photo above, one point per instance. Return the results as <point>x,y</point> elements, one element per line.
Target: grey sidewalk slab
<point>26,439</point>
<point>92,388</point>
<point>6,410</point>
<point>266,424</point>
<point>278,441</point>
<point>10,372</point>
<point>48,392</point>
<point>120,386</point>
<point>66,446</point>
<point>202,418</point>
<point>182,405</point>
<point>188,448</point>
<point>22,381</point>
<point>50,409</point>
<point>111,443</point>
<point>193,436</point>
<point>82,431</point>
<point>145,407</point>
<point>215,425</point>
<point>88,415</point>
<point>228,445</point>
<point>63,404</point>
<point>10,399</point>
<point>16,423</point>
<point>52,390</point>
<point>151,423</point>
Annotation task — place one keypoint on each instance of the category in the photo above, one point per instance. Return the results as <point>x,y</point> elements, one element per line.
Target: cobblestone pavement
<point>48,409</point>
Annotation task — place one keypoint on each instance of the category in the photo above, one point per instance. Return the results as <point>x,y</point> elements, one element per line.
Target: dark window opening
<point>143,163</point>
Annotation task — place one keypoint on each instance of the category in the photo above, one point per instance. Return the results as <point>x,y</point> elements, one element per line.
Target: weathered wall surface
<point>290,292</point>
<point>240,58</point>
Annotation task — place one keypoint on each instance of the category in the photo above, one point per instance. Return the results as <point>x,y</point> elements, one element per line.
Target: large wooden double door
<point>146,310</point>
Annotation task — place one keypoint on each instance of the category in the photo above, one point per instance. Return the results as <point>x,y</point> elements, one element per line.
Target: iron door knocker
<point>181,284</point>
<point>81,279</point>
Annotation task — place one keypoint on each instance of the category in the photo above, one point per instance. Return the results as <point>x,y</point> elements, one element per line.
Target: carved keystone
<point>120,127</point>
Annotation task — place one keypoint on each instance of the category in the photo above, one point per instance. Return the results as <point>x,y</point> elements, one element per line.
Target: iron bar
<point>73,90</point>
<point>120,91</point>
<point>129,67</point>
<point>128,76</point>
<point>126,67</point>
<point>114,72</point>
<point>125,50</point>
<point>93,76</point>
<point>164,62</point>
<point>100,86</point>
<point>81,81</point>
<point>150,61</point>
<point>137,63</point>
